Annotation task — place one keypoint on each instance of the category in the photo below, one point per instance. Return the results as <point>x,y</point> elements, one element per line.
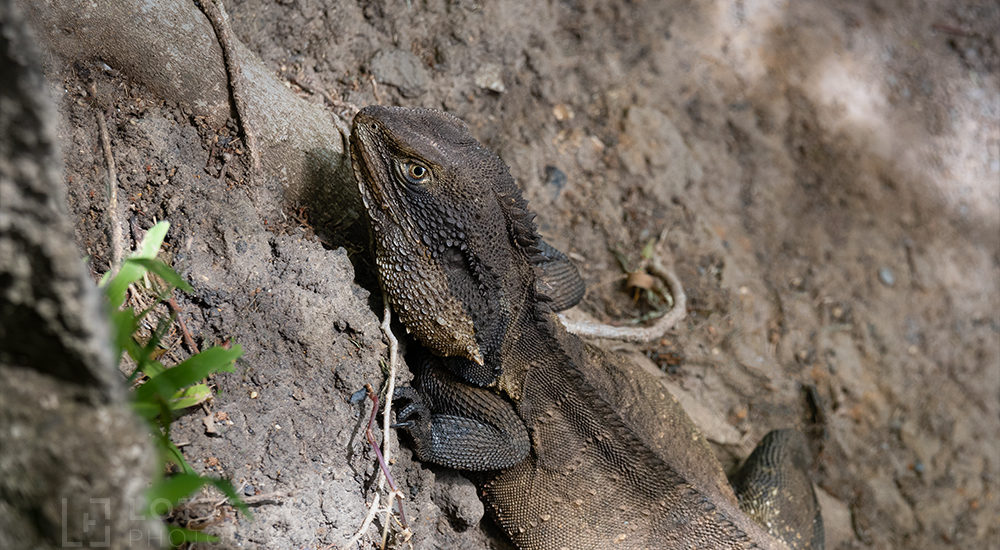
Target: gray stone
<point>401,69</point>
<point>652,146</point>
<point>457,496</point>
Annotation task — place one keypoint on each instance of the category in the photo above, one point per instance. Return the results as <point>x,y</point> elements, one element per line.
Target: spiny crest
<point>522,221</point>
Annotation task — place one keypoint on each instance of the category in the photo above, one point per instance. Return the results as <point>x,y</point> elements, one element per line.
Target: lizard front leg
<point>461,426</point>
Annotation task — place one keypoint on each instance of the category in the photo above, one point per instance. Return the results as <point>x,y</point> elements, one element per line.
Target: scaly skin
<point>574,448</point>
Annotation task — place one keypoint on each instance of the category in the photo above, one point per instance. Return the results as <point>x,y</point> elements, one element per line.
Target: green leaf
<point>147,410</point>
<point>174,455</point>
<point>167,492</point>
<point>180,535</point>
<point>164,271</point>
<point>146,353</point>
<point>153,240</point>
<point>130,272</point>
<point>155,410</point>
<point>191,396</point>
<point>623,262</point>
<point>647,251</point>
<point>194,369</point>
<point>153,368</point>
<point>140,354</point>
<point>124,323</point>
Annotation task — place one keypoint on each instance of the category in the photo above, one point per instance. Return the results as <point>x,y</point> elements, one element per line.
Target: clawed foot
<point>414,412</point>
<point>415,419</point>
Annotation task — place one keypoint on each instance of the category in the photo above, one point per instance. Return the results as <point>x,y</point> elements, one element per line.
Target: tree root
<point>652,333</point>
<point>217,16</point>
<point>114,227</point>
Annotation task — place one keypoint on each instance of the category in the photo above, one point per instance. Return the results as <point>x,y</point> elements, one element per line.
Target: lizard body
<point>573,447</point>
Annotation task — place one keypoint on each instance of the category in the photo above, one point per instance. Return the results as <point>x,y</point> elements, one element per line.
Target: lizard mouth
<point>364,172</point>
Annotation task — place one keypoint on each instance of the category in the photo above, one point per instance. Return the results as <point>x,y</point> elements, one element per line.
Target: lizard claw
<point>414,413</point>
<point>415,419</point>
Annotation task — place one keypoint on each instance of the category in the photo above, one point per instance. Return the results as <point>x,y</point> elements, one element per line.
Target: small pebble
<point>562,112</point>
<point>886,276</point>
<point>555,177</point>
<point>797,283</point>
<point>490,77</point>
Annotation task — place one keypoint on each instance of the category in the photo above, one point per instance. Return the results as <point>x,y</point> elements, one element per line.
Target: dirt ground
<point>824,176</point>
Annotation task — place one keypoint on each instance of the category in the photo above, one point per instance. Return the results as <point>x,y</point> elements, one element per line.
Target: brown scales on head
<point>426,181</point>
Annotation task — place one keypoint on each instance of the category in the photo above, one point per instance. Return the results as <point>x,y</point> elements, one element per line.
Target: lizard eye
<point>415,172</point>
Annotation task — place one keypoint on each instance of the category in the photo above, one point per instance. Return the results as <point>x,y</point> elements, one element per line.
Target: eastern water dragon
<point>572,447</point>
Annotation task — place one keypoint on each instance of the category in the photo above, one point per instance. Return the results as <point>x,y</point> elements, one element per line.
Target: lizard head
<point>440,207</point>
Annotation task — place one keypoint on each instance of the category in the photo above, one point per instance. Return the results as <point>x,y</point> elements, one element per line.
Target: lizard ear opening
<point>558,280</point>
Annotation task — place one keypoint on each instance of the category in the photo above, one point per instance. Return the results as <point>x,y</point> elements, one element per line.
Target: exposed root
<point>114,227</point>
<point>217,16</point>
<point>390,383</point>
<point>652,333</point>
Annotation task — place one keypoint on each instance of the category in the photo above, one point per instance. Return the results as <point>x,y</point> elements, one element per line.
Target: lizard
<point>572,447</point>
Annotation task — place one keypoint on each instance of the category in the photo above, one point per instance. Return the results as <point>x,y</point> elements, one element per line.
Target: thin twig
<point>372,510</point>
<point>217,16</point>
<point>391,382</point>
<point>378,100</point>
<point>188,339</point>
<point>274,497</point>
<point>114,228</point>
<point>225,499</point>
<point>386,413</point>
<point>952,29</point>
<point>383,454</point>
<point>651,333</point>
<point>382,462</point>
